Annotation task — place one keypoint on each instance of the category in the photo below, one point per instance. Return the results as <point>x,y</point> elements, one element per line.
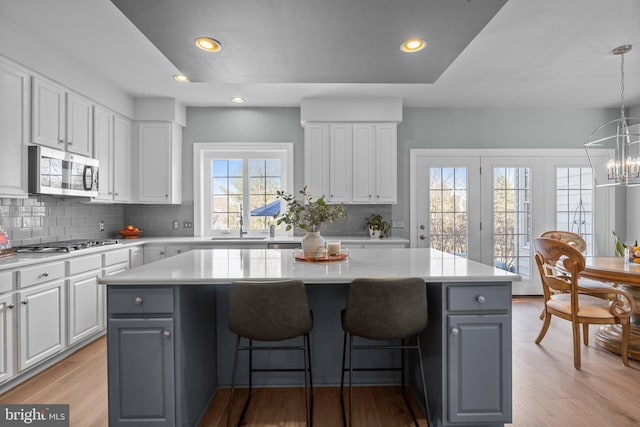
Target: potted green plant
<point>377,226</point>
<point>307,214</point>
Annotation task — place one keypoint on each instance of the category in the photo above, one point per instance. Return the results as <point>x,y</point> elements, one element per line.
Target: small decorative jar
<point>632,254</point>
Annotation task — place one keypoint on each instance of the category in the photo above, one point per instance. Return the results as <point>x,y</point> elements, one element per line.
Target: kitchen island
<point>169,347</point>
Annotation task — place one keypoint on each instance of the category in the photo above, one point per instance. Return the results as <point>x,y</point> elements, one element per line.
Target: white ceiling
<point>533,53</point>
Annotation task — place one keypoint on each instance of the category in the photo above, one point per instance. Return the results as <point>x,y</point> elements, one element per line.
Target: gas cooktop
<point>65,245</point>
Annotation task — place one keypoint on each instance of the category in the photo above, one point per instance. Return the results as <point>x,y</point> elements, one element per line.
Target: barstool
<point>384,310</point>
<point>270,311</point>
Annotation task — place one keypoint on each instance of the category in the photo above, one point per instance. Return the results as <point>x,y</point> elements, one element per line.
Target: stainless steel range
<point>65,246</point>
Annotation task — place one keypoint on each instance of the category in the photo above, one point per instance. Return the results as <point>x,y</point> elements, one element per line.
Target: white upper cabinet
<point>103,151</point>
<point>159,162</point>
<point>14,129</point>
<point>358,163</point>
<point>340,163</point>
<point>61,119</point>
<point>122,155</point>
<point>316,159</point>
<point>375,163</point>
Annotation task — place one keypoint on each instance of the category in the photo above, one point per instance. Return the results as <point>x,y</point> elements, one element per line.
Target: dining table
<point>625,276</point>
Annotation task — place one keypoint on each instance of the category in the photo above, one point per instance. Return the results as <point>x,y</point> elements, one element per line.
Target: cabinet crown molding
<point>350,110</point>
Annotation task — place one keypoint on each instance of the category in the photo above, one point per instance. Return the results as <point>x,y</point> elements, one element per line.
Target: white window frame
<point>202,154</point>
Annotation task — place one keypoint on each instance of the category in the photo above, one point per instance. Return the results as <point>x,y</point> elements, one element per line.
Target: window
<point>234,182</point>
<point>448,209</point>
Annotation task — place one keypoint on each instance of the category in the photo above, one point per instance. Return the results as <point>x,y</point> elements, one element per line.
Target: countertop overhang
<point>222,266</point>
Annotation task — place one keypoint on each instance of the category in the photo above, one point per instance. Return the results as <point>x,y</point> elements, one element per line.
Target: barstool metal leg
<point>233,382</point>
<point>342,369</point>
<point>350,379</point>
<point>308,340</point>
<point>424,386</point>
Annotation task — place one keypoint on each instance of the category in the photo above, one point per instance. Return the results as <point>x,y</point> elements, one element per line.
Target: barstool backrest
<point>269,311</point>
<point>386,309</point>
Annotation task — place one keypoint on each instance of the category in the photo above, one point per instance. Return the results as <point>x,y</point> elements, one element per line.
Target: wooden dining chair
<point>577,241</point>
<point>560,265</point>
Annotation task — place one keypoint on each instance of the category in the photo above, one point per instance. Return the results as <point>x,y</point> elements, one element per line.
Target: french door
<point>490,205</point>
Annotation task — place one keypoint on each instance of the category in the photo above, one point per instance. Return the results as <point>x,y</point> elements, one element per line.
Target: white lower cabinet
<point>86,302</point>
<point>41,326</point>
<point>157,252</point>
<point>136,257</point>
<point>7,347</point>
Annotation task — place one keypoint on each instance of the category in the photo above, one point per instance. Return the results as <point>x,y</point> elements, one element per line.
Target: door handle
<point>422,237</point>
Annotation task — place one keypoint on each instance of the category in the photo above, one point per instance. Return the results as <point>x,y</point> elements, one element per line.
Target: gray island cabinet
<point>169,348</point>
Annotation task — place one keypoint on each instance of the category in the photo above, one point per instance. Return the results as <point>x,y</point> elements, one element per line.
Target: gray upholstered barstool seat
<point>384,310</point>
<point>270,311</point>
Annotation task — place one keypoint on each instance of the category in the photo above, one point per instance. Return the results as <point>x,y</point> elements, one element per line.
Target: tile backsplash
<point>40,219</point>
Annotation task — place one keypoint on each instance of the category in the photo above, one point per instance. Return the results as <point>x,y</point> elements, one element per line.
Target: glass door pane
<point>574,202</point>
<point>448,205</point>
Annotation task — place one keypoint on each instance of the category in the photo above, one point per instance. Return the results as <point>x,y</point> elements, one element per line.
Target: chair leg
<point>624,349</point>
<point>542,313</point>
<point>233,382</point>
<point>350,380</point>
<point>307,367</point>
<point>342,369</point>
<point>576,345</point>
<point>545,327</point>
<point>585,333</point>
<point>424,384</point>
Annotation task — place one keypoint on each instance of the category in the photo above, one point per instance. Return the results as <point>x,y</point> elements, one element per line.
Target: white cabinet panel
<point>14,122</point>
<point>340,163</point>
<point>363,163</point>
<point>48,114</point>
<point>7,347</point>
<point>103,150</point>
<point>386,164</point>
<point>79,129</point>
<point>159,162</point>
<point>85,306</point>
<point>42,323</point>
<point>316,159</point>
<point>122,155</point>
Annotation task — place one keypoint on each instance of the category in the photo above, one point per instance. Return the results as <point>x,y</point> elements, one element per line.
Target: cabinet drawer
<point>86,263</point>
<point>141,301</point>
<point>40,273</point>
<point>115,257</point>
<point>478,298</point>
<point>6,281</point>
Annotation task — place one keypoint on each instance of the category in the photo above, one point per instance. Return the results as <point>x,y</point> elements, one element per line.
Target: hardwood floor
<point>547,391</point>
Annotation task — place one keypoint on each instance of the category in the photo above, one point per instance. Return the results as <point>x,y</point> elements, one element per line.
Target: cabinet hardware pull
<point>166,195</point>
<point>161,253</point>
<point>481,299</point>
<point>45,274</point>
<point>369,195</point>
<point>455,331</point>
<point>70,142</point>
<point>378,196</point>
<point>117,194</point>
<point>24,301</point>
<point>10,306</point>
<point>138,301</point>
<point>61,141</point>
<point>166,333</point>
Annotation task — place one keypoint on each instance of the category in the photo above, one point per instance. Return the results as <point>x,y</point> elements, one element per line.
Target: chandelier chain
<point>622,84</point>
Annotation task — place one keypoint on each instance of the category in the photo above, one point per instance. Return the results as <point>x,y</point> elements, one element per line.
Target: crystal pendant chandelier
<point>621,137</point>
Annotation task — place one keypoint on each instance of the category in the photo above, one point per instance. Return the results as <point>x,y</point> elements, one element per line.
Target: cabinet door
<point>363,164</point>
<point>85,306</point>
<point>79,125</point>
<point>386,164</point>
<point>122,154</point>
<point>103,150</point>
<point>316,159</point>
<point>7,309</point>
<point>141,372</point>
<point>153,253</point>
<point>136,257</point>
<point>172,250</point>
<point>14,119</point>
<point>47,114</point>
<point>42,323</point>
<point>340,149</point>
<point>479,368</point>
<point>154,162</point>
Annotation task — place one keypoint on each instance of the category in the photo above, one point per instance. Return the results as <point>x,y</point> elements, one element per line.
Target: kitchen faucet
<point>242,230</point>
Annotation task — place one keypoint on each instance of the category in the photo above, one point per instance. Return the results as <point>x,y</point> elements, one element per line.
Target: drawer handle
<point>455,331</point>
<point>25,301</point>
<point>481,299</point>
<point>45,274</point>
<point>138,301</point>
<point>10,306</point>
<point>166,333</point>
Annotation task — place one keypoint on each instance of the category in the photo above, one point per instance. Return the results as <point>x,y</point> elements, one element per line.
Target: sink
<point>239,238</point>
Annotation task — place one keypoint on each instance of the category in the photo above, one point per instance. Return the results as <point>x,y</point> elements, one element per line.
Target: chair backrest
<point>573,239</point>
<point>551,252</point>
<point>269,311</point>
<point>386,309</point>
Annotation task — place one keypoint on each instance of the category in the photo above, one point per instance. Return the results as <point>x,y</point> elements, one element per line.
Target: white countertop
<point>211,266</point>
<point>24,259</point>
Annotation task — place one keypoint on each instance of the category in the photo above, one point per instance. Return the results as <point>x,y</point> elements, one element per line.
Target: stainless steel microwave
<point>60,173</point>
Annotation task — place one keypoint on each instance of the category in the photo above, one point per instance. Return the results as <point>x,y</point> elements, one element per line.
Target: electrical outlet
<point>188,224</point>
<point>101,225</point>
<point>398,223</point>
<point>175,224</point>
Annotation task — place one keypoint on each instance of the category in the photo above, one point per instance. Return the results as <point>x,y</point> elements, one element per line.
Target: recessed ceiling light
<point>237,99</point>
<point>413,45</point>
<point>209,44</point>
<point>181,78</point>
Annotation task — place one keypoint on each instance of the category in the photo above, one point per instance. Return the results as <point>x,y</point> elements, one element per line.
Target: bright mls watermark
<point>34,415</point>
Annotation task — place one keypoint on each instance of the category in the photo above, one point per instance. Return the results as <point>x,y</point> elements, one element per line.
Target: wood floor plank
<point>547,390</point>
